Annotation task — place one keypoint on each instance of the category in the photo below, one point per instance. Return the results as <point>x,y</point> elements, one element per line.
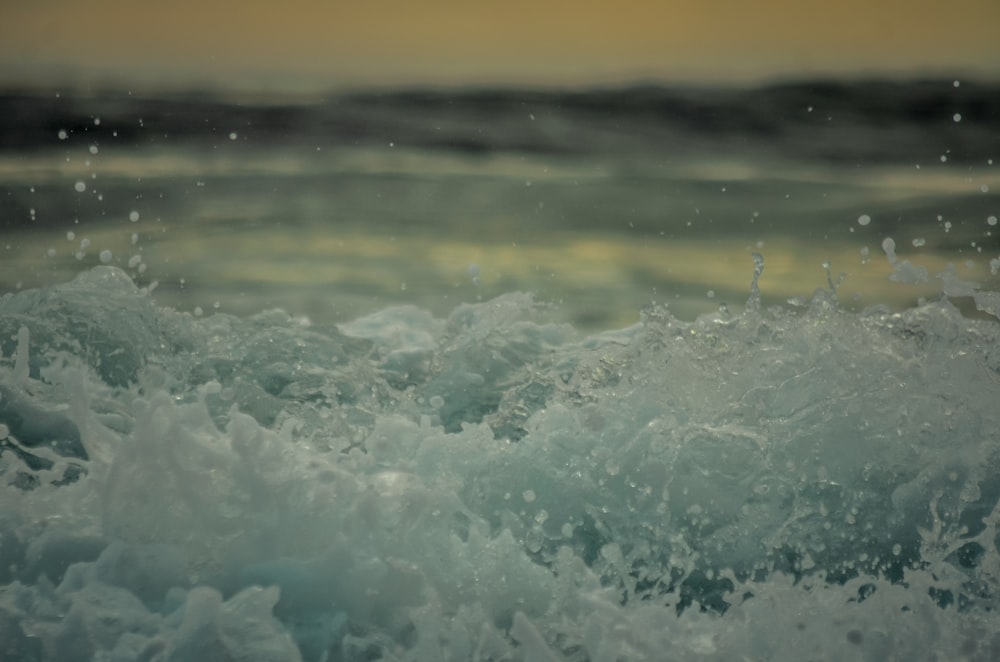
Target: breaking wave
<point>784,484</point>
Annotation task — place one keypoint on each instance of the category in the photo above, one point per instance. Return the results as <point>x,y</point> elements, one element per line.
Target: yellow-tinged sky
<point>317,44</point>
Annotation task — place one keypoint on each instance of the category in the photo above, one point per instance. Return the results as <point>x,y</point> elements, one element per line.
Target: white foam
<point>771,485</point>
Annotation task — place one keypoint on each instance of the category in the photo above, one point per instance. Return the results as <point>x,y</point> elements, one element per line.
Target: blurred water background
<point>598,200</point>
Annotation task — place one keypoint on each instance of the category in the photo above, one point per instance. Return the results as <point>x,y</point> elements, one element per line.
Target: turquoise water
<point>493,485</point>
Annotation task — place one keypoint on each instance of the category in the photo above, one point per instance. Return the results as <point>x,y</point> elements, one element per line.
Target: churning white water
<point>783,484</point>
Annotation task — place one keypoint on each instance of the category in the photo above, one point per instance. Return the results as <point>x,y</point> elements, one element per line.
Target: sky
<point>301,45</point>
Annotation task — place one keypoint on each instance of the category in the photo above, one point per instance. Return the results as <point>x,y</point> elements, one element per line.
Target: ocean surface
<point>642,373</point>
<point>599,201</point>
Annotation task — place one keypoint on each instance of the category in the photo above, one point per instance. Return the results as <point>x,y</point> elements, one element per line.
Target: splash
<point>772,485</point>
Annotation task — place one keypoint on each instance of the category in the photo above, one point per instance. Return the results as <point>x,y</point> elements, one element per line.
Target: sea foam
<point>772,484</point>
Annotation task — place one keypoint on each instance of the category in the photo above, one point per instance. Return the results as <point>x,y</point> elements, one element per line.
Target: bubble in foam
<point>105,256</point>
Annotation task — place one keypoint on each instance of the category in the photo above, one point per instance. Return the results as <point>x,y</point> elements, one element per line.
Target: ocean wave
<point>872,122</point>
<point>774,484</point>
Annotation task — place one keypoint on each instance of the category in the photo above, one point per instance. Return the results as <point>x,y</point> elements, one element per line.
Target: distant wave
<point>868,121</point>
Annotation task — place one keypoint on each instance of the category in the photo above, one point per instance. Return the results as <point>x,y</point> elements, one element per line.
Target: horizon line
<point>119,86</point>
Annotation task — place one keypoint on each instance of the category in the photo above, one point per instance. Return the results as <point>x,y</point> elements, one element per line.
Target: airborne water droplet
<point>753,303</point>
